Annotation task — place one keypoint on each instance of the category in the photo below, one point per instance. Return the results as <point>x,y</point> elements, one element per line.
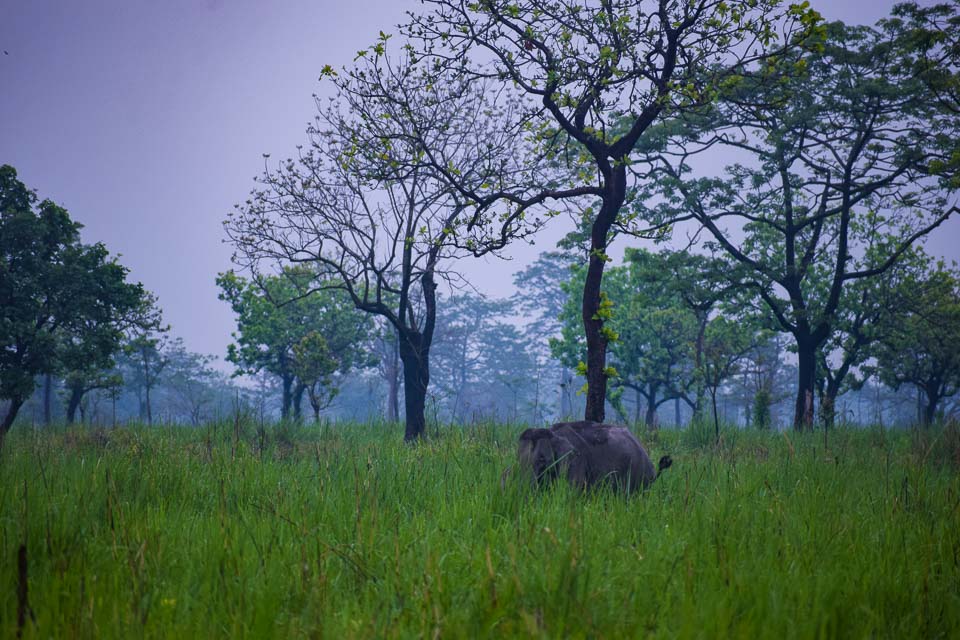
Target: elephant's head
<point>543,452</point>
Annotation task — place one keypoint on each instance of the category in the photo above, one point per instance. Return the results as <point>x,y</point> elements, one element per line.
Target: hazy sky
<point>147,120</point>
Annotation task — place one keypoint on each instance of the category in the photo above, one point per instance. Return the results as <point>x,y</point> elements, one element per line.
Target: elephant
<point>589,453</point>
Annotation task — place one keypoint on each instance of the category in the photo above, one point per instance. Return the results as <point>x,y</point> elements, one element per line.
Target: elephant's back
<point>641,468</point>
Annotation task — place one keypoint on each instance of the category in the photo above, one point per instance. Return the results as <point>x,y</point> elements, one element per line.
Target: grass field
<point>346,532</point>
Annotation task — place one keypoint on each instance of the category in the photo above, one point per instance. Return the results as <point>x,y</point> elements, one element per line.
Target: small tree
<point>696,282</point>
<point>315,366</point>
<point>868,308</point>
<point>191,380</point>
<point>88,345</point>
<point>143,353</point>
<point>275,314</point>
<point>921,346</point>
<point>726,343</point>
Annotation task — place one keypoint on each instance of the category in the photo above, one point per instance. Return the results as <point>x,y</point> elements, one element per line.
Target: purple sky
<point>148,119</point>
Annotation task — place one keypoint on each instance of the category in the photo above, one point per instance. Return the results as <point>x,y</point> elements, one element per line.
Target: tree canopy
<point>846,165</point>
<point>62,303</point>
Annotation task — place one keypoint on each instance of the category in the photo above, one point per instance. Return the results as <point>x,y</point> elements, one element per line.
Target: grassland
<point>346,532</point>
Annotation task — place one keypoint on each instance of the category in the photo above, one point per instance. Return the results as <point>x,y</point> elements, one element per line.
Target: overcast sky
<point>147,120</point>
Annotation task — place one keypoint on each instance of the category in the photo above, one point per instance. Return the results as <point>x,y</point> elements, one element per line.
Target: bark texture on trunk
<point>933,397</point>
<point>593,321</point>
<point>286,399</point>
<point>146,393</point>
<point>298,390</point>
<point>806,386</point>
<point>415,357</point>
<point>651,417</point>
<point>76,395</point>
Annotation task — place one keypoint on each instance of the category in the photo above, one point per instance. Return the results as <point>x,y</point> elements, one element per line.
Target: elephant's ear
<point>562,449</point>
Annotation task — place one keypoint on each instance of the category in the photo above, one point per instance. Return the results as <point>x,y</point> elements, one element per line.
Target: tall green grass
<point>340,532</point>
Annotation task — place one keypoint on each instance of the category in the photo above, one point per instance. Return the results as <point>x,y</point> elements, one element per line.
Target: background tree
<point>275,314</point>
<point>541,297</point>
<point>653,335</point>
<point>192,381</point>
<point>143,357</point>
<point>845,172</point>
<point>363,205</point>
<point>698,283</point>
<point>591,78</point>
<point>89,343</point>
<point>765,375</point>
<point>726,343</point>
<point>315,366</point>
<point>483,365</point>
<point>867,309</point>
<point>388,352</point>
<point>921,346</point>
<point>59,298</point>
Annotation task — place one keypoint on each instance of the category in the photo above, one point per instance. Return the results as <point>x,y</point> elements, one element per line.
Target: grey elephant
<point>588,453</point>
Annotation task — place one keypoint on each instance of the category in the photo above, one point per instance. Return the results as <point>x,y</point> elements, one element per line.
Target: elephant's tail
<point>665,463</point>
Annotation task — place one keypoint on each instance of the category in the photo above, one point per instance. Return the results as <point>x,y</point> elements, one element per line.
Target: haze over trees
<point>847,163</point>
<point>919,344</point>
<point>305,340</point>
<point>482,125</point>
<point>491,112</point>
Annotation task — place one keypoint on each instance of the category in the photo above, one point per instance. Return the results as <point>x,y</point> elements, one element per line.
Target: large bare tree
<point>591,76</point>
<point>362,204</point>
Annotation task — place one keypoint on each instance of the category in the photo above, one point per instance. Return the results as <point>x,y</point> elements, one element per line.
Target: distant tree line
<point>496,116</point>
<point>801,256</point>
<point>77,340</point>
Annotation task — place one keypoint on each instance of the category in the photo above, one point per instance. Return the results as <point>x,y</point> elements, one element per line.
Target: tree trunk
<point>298,390</point>
<point>147,383</point>
<point>930,410</point>
<point>806,385</point>
<point>651,417</point>
<point>636,410</point>
<point>828,404</point>
<point>15,403</point>
<point>593,323</point>
<point>286,398</point>
<point>76,395</point>
<point>415,357</point>
<point>146,393</point>
<point>676,411</point>
<point>920,404</point>
<point>461,379</point>
<point>47,398</point>
<point>699,388</point>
